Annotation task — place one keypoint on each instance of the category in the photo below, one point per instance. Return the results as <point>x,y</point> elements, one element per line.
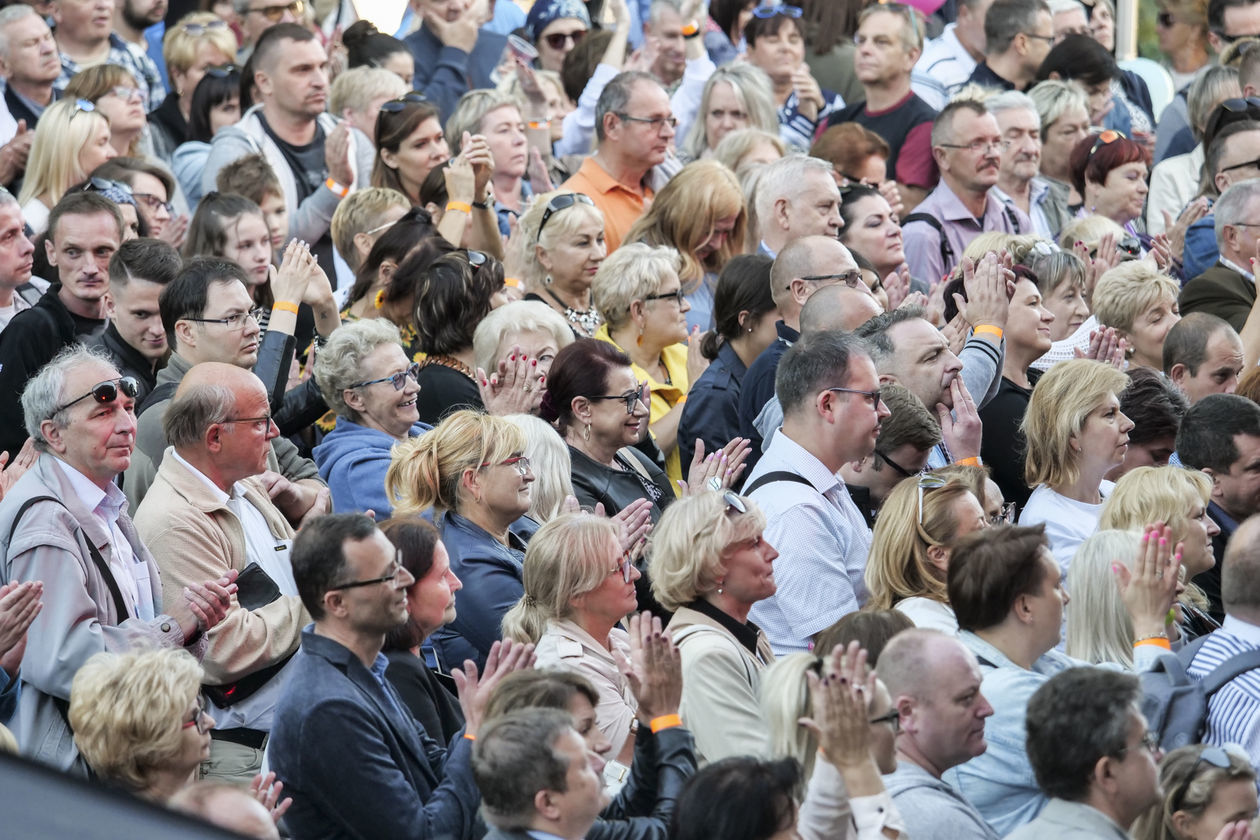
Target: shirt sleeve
<point>915,165</point>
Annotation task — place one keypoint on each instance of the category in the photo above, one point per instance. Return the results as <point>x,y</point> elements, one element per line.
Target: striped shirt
<point>1234,711</point>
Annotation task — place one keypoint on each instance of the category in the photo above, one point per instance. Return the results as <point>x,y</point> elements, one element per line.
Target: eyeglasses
<point>393,106</point>
<point>624,567</point>
<point>126,92</point>
<point>261,424</point>
<point>1049,39</point>
<point>200,718</point>
<point>976,146</point>
<point>1229,39</point>
<point>928,482</point>
<point>87,106</point>
<point>391,575</point>
<point>900,470</point>
<point>275,13</point>
<point>1150,743</point>
<point>1111,135</point>
<point>398,380</point>
<point>558,40</point>
<point>892,718</point>
<point>562,202</point>
<point>195,29</point>
<point>765,12</point>
<point>630,398</point>
<point>1216,757</point>
<point>154,203</point>
<point>222,71</point>
<point>1005,515</point>
<point>677,296</point>
<point>519,462</point>
<point>105,392</point>
<point>850,278</point>
<point>875,396</point>
<point>1255,162</point>
<point>657,123</point>
<point>232,322</point>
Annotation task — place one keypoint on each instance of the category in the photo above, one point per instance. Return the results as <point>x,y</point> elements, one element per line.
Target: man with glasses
<point>257,16</point>
<point>968,147</point>
<point>1228,289</point>
<point>65,524</point>
<point>1019,175</point>
<point>352,757</point>
<point>1231,145</point>
<point>1019,34</point>
<point>1229,20</point>
<point>209,512</point>
<point>906,439</point>
<point>635,129</point>
<point>84,231</point>
<point>85,38</point>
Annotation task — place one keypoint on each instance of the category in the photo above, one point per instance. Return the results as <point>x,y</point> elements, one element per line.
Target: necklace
<point>450,362</point>
<point>588,319</point>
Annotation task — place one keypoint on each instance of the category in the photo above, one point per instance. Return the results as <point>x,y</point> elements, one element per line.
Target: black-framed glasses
<point>106,392</point>
<point>897,468</point>
<point>1166,19</point>
<point>892,718</point>
<point>154,203</point>
<point>976,146</point>
<point>1005,515</point>
<point>630,398</point>
<point>1229,39</point>
<point>562,202</point>
<point>1255,162</point>
<point>398,380</point>
<point>1049,39</point>
<point>261,424</point>
<point>876,396</point>
<point>769,11</point>
<point>678,296</point>
<point>275,13</point>
<point>232,322</point>
<point>195,29</point>
<point>393,106</point>
<point>557,40</point>
<point>391,576</point>
<point>928,481</point>
<point>1217,757</point>
<point>850,278</point>
<point>656,122</point>
<point>199,718</point>
<point>518,462</point>
<point>222,71</point>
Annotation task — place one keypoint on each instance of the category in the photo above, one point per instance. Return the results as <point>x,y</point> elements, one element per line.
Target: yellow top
<point>664,396</point>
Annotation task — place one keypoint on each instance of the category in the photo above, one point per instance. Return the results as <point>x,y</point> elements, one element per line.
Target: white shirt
<point>943,68</point>
<point>1068,522</point>
<point>19,303</point>
<point>929,613</point>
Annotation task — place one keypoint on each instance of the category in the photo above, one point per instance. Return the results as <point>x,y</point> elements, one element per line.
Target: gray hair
<point>1011,100</point>
<point>630,273</point>
<point>194,411</point>
<point>43,393</point>
<point>6,197</point>
<point>616,95</point>
<point>1060,6</point>
<point>659,7</point>
<point>340,364</point>
<point>11,14</point>
<point>514,757</point>
<point>875,332</point>
<point>1054,96</point>
<point>515,317</point>
<point>816,362</point>
<point>782,179</point>
<point>1232,204</point>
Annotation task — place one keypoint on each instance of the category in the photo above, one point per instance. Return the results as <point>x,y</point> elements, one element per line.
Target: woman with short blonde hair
<point>562,247</point>
<point>551,464</point>
<point>535,328</point>
<point>357,95</point>
<point>1140,302</point>
<point>116,96</point>
<point>71,140</point>
<point>749,147</point>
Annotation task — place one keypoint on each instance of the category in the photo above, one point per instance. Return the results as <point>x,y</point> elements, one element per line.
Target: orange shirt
<point>621,205</point>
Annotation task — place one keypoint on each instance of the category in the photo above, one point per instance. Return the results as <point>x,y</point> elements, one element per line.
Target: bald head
<point>838,307</point>
<point>809,256</point>
<point>1240,572</point>
<point>220,422</point>
<point>226,806</point>
<point>217,373</point>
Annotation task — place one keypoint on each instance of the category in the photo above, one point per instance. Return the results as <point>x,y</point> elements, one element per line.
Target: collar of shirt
<point>543,835</point>
<point>805,464</point>
<point>221,497</point>
<point>1233,266</point>
<point>100,502</point>
<point>786,334</point>
<point>605,183</point>
<point>952,209</point>
<point>746,634</point>
<point>1244,630</point>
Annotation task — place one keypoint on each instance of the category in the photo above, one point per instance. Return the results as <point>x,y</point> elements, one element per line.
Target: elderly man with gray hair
<point>1019,182</point>
<point>209,513</point>
<point>794,197</point>
<point>1228,289</point>
<point>30,64</point>
<point>65,523</point>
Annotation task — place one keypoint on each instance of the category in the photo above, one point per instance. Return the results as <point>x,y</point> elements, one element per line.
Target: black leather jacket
<point>645,806</point>
<point>594,483</point>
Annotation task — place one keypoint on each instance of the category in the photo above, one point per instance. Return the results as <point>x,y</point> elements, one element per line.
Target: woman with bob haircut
<point>1140,303</point>
<point>709,565</point>
<point>572,611</point>
<point>71,140</point>
<point>139,722</point>
<point>917,527</point>
<point>1206,790</point>
<point>1075,434</point>
<point>700,214</point>
<point>1109,171</point>
<point>514,346</point>
<point>114,92</point>
<point>562,236</point>
<point>357,94</point>
<point>472,471</point>
<point>369,382</point>
<point>214,105</point>
<point>1061,278</point>
<point>736,96</point>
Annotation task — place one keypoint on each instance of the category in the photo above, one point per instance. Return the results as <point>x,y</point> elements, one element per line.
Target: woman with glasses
<point>114,93</point>
<point>917,527</point>
<point>199,41</point>
<point>709,565</point>
<point>556,27</point>
<point>154,188</point>
<point>700,214</point>
<point>71,140</point>
<point>1075,435</point>
<point>370,384</point>
<point>562,235</point>
<point>1206,790</point>
<point>215,103</point>
<point>471,471</point>
<point>579,587</point>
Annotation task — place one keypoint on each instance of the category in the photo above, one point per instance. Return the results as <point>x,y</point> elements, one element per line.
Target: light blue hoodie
<point>353,459</point>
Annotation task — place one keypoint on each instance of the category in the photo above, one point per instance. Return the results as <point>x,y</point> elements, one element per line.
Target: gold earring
<point>586,433</point>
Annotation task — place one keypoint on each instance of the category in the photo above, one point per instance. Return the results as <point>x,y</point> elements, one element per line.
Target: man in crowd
<point>538,777</point>
<point>133,17</point>
<point>1019,34</point>
<point>1229,20</point>
<point>257,16</point>
<point>339,711</point>
<point>452,52</point>
<point>209,512</point>
<point>134,338</point>
<point>967,145</point>
<point>1220,435</point>
<point>634,126</point>
<point>1230,159</point>
<point>64,523</point>
<point>1069,18</point>
<point>1093,755</point>
<point>795,197</point>
<point>1228,289</point>
<point>30,64</point>
<point>889,42</point>
<point>19,290</point>
<point>1019,180</point>
<point>85,38</point>
<point>934,683</point>
<point>1203,355</point>
<point>831,416</point>
<point>664,27</point>
<point>84,231</point>
<point>949,59</point>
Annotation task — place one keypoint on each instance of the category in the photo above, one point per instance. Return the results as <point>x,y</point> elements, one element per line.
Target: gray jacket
<point>1063,820</point>
<point>933,810</point>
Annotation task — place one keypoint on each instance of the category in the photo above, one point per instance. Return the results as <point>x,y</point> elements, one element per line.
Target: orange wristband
<point>340,190</point>
<point>996,332</point>
<point>285,306</point>
<point>462,206</point>
<point>537,124</point>
<point>1158,641</point>
<point>973,461</point>
<point>664,722</point>
<point>470,736</point>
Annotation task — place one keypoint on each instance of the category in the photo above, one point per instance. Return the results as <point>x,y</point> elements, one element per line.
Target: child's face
<point>277,216</point>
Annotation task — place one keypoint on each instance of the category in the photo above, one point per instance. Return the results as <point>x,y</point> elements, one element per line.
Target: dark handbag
<point>254,589</point>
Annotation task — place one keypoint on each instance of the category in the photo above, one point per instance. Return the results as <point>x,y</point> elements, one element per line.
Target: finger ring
<point>526,388</point>
<point>714,484</point>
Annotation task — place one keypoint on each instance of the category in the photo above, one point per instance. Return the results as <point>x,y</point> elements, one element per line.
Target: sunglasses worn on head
<point>769,11</point>
<point>1111,135</point>
<point>105,392</point>
<point>557,40</point>
<point>476,259</point>
<point>562,202</point>
<point>222,71</point>
<point>928,481</point>
<point>393,106</point>
<point>87,106</point>
<point>196,29</point>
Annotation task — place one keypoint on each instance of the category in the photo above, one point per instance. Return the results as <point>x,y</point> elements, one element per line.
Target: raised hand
<point>838,707</point>
<point>654,669</point>
<point>635,523</point>
<point>963,429</point>
<point>267,791</point>
<point>1149,590</point>
<point>474,690</point>
<point>897,286</point>
<point>516,387</point>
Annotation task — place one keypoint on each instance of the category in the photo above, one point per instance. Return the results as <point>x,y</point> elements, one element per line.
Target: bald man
<point>210,508</point>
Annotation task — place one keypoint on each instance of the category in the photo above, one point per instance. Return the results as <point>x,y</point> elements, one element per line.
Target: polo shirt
<point>620,205</point>
<point>907,129</point>
<point>984,76</point>
<point>958,226</point>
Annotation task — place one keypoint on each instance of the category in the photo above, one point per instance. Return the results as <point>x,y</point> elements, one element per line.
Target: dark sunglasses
<point>398,380</point>
<point>641,395</point>
<point>105,392</point>
<point>394,106</point>
<point>765,12</point>
<point>1233,110</point>
<point>1165,19</point>
<point>562,202</point>
<point>275,13</point>
<point>223,71</point>
<point>557,40</point>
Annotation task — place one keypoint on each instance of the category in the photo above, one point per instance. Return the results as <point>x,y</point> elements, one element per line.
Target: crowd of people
<point>652,419</point>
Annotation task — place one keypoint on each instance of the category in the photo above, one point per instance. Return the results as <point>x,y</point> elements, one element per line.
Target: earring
<point>721,583</point>
<point>547,280</point>
<point>639,340</point>
<point>586,433</point>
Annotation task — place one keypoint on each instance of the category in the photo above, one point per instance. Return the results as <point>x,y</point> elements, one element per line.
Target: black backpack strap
<point>947,251</point>
<point>101,566</point>
<point>1011,216</point>
<point>771,477</point>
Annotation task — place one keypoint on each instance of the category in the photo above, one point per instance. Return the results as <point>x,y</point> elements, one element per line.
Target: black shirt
<point>746,634</point>
<point>984,76</point>
<point>444,390</point>
<point>1003,447</point>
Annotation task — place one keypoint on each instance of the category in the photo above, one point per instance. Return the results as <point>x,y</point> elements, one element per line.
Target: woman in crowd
<point>917,527</point>
<point>1119,99</point>
<point>514,347</point>
<point>1061,278</point>
<point>551,464</point>
<point>429,695</point>
<point>744,314</point>
<point>114,93</point>
<point>776,44</point>
<point>215,104</point>
<point>1140,303</point>
<point>409,143</point>
<point>71,140</point>
<point>563,236</point>
<point>859,155</point>
<point>1109,172</point>
<point>374,278</point>
<point>556,27</point>
<point>572,611</point>
<point>709,565</point>
<point>639,295</point>
<point>370,384</point>
<point>153,186</point>
<point>470,470</point>
<point>199,41</point>
<point>724,35</point>
<point>872,629</point>
<point>357,96</point>
<point>700,214</point>
<point>1206,790</point>
<point>139,722</point>
<point>231,226</point>
<point>453,294</point>
<point>497,117</point>
<point>367,47</point>
<point>1064,112</point>
<point>871,229</point>
<point>1075,435</point>
<point>736,96</point>
<point>361,218</point>
<point>747,148</point>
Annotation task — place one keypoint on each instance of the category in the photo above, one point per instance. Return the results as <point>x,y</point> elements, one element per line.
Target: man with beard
<point>1018,180</point>
<point>30,64</point>
<point>86,38</point>
<point>132,17</point>
<point>967,146</point>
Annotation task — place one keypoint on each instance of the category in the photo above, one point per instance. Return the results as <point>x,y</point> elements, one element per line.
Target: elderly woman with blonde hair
<point>562,247</point>
<point>514,346</point>
<point>736,96</point>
